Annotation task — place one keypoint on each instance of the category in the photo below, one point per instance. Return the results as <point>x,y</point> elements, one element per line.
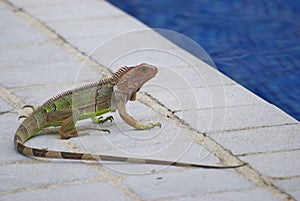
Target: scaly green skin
<point>107,95</point>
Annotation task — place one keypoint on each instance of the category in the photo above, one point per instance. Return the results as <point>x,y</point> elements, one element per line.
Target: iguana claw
<point>21,117</point>
<point>30,106</point>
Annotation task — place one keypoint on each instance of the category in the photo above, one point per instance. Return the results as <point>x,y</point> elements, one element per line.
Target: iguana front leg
<point>131,121</point>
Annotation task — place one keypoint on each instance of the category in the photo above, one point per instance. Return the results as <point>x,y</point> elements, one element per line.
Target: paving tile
<point>125,139</point>
<point>5,106</point>
<point>34,54</point>
<point>295,194</point>
<point>20,176</point>
<point>189,182</point>
<point>89,43</point>
<point>193,58</point>
<point>35,3</point>
<point>181,77</point>
<point>260,140</point>
<point>281,164</point>
<point>122,43</point>
<point>17,32</point>
<point>8,20</point>
<point>84,191</point>
<point>289,184</point>
<point>204,97</point>
<point>235,118</point>
<point>20,36</point>
<point>131,48</point>
<point>244,195</point>
<point>93,27</point>
<point>9,123</point>
<point>3,8</point>
<point>74,11</point>
<point>9,153</point>
<point>32,73</point>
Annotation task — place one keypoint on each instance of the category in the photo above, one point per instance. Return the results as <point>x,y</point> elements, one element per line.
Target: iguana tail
<point>33,124</point>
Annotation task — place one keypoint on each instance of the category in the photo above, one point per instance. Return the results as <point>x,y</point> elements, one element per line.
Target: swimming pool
<point>256,43</point>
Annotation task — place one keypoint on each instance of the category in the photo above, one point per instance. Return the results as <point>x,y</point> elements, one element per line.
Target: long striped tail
<point>28,151</point>
<point>30,127</point>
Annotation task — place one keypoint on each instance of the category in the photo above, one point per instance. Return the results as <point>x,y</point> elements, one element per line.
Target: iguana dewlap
<point>94,99</point>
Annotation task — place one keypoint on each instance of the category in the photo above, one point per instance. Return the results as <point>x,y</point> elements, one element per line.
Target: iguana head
<point>134,78</point>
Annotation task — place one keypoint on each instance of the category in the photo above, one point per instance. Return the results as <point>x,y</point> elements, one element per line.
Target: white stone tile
<point>94,27</point>
<point>280,164</point>
<point>260,140</point>
<point>200,98</point>
<point>74,11</point>
<point>189,182</point>
<point>235,118</point>
<point>91,191</point>
<point>245,195</point>
<point>20,176</point>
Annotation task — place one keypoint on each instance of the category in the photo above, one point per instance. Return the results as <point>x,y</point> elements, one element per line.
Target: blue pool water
<point>257,42</point>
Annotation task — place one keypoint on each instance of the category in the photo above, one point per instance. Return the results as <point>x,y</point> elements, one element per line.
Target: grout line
<point>213,147</point>
<point>88,18</point>
<point>269,152</point>
<point>7,95</point>
<point>285,178</point>
<point>217,107</point>
<point>195,195</point>
<point>252,128</point>
<point>49,186</point>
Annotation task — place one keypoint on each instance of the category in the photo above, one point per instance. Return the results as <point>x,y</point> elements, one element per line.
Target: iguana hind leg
<point>132,122</point>
<point>67,127</point>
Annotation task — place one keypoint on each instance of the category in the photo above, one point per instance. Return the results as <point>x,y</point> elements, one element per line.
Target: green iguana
<point>91,100</point>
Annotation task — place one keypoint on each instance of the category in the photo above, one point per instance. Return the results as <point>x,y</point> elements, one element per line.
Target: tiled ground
<point>43,45</point>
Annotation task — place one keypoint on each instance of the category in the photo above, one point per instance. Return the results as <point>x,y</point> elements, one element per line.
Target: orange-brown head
<point>134,78</point>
